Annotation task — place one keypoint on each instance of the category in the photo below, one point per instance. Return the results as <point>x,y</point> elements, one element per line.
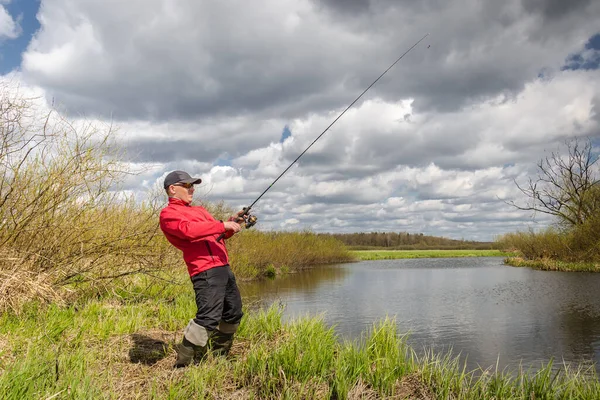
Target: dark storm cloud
<point>349,6</point>
<point>192,64</point>
<point>238,94</point>
<point>165,151</point>
<point>555,9</point>
<point>344,8</point>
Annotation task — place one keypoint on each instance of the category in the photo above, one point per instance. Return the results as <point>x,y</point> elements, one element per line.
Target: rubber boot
<point>220,343</point>
<point>193,347</point>
<point>185,354</point>
<point>222,338</point>
<point>200,353</point>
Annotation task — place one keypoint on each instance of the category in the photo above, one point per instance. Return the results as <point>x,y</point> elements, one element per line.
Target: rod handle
<point>240,215</point>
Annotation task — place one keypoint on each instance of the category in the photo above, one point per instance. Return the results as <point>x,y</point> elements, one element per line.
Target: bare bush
<point>61,212</point>
<point>565,187</point>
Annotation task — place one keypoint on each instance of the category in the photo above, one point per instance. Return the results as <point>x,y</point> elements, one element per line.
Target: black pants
<point>217,297</point>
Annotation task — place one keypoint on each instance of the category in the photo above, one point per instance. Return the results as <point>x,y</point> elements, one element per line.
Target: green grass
<point>395,254</point>
<point>121,347</point>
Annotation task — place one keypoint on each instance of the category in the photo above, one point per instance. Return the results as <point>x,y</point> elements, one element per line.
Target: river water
<point>485,311</point>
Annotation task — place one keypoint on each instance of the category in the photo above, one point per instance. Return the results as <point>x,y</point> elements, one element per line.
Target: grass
<point>257,254</point>
<point>547,264</point>
<point>121,346</point>
<point>83,315</point>
<point>552,249</point>
<point>396,254</point>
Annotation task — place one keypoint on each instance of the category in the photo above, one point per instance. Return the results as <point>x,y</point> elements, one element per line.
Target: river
<point>485,311</point>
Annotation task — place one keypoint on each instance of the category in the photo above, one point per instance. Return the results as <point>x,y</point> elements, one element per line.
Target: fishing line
<point>246,210</point>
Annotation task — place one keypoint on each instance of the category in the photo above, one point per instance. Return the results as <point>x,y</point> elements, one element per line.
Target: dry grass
<point>133,362</point>
<point>548,264</point>
<point>576,248</point>
<point>362,391</point>
<point>19,285</point>
<point>143,361</point>
<point>145,358</point>
<point>6,356</point>
<point>412,387</point>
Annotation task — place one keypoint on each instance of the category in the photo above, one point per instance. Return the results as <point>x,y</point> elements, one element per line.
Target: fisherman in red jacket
<point>194,231</point>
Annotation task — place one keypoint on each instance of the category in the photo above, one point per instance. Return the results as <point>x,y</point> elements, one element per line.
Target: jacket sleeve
<point>183,228</point>
<point>229,234</point>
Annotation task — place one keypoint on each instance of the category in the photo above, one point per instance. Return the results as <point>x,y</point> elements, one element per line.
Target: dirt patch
<point>133,363</point>
<point>6,355</point>
<point>150,347</point>
<point>136,363</point>
<point>361,391</point>
<point>412,387</point>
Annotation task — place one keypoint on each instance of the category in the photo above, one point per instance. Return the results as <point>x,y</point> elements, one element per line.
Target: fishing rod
<point>251,220</point>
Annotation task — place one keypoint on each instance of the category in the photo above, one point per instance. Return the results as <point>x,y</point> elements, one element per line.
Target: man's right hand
<point>232,226</point>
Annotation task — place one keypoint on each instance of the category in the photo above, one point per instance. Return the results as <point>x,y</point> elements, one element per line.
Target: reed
<point>553,249</point>
<point>255,254</point>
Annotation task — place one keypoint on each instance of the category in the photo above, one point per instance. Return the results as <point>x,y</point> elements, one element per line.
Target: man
<point>194,231</point>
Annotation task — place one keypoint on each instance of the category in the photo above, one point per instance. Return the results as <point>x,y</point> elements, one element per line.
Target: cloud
<point>385,165</point>
<point>191,59</point>
<point>555,9</point>
<point>376,137</point>
<point>9,27</point>
<point>235,91</point>
<point>589,58</point>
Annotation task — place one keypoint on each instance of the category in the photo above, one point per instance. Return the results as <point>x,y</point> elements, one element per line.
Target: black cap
<point>180,177</point>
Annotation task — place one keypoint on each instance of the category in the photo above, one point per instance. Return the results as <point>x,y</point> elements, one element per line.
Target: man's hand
<point>240,217</point>
<point>234,223</point>
<point>232,226</point>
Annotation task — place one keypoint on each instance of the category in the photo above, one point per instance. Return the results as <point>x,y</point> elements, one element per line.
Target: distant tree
<point>566,186</point>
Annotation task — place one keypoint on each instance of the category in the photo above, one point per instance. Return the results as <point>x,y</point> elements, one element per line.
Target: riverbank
<point>364,255</point>
<point>121,346</point>
<point>552,265</point>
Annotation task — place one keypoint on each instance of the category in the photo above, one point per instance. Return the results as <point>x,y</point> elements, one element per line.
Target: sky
<point>233,91</point>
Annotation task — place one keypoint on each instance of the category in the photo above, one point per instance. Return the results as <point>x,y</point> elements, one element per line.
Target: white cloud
<point>9,27</point>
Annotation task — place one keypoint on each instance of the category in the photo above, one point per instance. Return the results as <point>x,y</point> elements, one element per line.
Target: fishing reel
<point>251,221</point>
<point>243,217</point>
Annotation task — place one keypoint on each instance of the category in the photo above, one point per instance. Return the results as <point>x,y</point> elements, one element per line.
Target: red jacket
<point>194,231</point>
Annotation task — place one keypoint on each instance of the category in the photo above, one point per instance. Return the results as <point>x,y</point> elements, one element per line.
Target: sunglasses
<point>185,185</point>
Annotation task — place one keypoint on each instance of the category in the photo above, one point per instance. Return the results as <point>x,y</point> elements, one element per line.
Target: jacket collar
<point>176,201</point>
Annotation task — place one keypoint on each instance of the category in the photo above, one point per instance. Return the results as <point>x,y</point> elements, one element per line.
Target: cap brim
<point>194,181</point>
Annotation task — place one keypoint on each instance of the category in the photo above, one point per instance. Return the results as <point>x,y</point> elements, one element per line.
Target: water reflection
<point>303,282</point>
<point>477,306</point>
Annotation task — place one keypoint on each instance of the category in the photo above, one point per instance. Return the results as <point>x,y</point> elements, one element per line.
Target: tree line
<point>405,241</point>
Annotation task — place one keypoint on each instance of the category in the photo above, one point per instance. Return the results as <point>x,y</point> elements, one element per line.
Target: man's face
<point>182,191</point>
